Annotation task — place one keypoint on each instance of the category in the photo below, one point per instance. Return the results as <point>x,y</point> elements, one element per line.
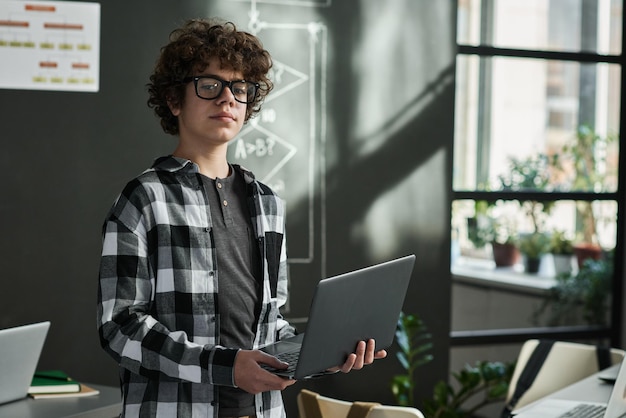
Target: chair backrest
<point>313,405</point>
<point>565,364</point>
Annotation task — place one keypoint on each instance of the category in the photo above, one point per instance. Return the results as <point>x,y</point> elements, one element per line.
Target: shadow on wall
<point>388,162</point>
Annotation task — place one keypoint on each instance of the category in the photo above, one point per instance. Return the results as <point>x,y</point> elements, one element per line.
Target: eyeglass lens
<point>210,88</point>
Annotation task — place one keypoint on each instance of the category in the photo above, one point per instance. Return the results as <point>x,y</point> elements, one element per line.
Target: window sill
<point>483,273</point>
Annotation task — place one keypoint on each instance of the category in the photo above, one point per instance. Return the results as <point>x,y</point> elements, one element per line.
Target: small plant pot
<point>505,255</point>
<point>531,264</point>
<point>563,264</point>
<point>586,250</point>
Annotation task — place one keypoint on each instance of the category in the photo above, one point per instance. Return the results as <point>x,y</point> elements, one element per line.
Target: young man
<point>193,269</point>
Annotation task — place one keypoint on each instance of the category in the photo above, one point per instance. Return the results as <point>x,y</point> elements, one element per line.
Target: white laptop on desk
<point>20,348</point>
<point>556,408</point>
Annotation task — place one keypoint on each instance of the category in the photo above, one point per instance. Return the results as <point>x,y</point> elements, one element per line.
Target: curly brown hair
<point>190,49</point>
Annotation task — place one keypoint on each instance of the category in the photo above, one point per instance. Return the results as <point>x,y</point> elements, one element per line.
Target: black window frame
<point>612,332</point>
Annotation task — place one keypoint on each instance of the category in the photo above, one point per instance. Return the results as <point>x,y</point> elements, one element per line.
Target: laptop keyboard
<point>585,411</point>
<point>290,358</point>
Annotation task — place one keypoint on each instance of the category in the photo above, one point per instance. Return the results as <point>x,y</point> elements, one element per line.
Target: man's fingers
<point>364,354</point>
<point>272,361</point>
<point>250,377</point>
<point>349,363</point>
<point>361,351</point>
<point>369,352</point>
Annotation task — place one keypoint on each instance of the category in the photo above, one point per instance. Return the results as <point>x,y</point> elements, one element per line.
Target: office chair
<point>565,363</point>
<point>314,405</point>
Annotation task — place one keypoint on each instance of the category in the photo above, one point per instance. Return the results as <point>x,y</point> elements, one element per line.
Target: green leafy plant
<point>587,292</point>
<point>527,174</point>
<point>479,231</point>
<point>413,340</point>
<point>480,228</point>
<point>489,381</point>
<point>531,173</point>
<point>586,154</point>
<point>534,245</point>
<point>489,378</point>
<point>484,229</point>
<point>560,244</point>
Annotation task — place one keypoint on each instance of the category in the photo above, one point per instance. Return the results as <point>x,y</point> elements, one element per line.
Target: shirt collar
<point>176,164</point>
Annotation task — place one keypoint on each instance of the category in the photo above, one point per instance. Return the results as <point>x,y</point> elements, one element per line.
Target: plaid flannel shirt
<point>158,294</point>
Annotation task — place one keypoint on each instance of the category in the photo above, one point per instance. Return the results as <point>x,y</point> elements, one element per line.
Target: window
<point>536,154</point>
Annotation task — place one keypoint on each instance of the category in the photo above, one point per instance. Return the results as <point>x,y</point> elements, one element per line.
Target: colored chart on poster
<point>50,45</point>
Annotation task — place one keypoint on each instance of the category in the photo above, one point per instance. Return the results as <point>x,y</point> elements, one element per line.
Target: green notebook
<point>53,381</point>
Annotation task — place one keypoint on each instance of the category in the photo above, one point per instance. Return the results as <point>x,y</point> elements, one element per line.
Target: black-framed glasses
<point>210,87</point>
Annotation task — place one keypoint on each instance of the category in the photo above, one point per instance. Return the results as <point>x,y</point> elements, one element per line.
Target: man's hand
<point>250,377</point>
<point>364,354</point>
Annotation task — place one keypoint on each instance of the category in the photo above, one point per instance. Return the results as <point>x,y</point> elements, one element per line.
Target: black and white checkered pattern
<point>157,295</point>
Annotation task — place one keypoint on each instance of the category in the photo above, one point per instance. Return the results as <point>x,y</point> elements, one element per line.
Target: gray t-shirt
<point>239,280</point>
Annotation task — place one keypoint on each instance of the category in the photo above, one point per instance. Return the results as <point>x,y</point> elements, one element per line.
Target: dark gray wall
<point>380,182</point>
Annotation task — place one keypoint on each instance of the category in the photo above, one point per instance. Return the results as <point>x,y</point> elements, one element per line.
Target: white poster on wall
<point>50,45</point>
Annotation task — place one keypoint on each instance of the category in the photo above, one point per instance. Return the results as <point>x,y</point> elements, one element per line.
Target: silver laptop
<point>20,348</point>
<point>554,408</point>
<point>346,309</point>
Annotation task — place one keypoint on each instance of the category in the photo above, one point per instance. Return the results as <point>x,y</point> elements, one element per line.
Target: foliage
<point>580,165</point>
<point>479,231</point>
<point>483,229</point>
<point>530,173</point>
<point>586,154</point>
<point>414,343</point>
<point>489,379</point>
<point>560,244</point>
<point>589,291</point>
<point>534,245</point>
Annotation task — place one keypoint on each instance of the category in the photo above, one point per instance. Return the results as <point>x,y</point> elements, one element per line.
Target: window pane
<point>476,224</point>
<point>553,25</point>
<point>485,285</point>
<point>523,124</point>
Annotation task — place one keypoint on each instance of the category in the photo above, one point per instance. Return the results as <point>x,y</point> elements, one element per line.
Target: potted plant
<point>536,244</point>
<point>479,230</point>
<point>586,294</point>
<point>505,251</point>
<point>562,250</point>
<point>484,229</point>
<point>413,339</point>
<point>487,379</point>
<point>530,174</point>
<point>533,246</point>
<point>476,387</point>
<point>504,243</point>
<point>582,154</point>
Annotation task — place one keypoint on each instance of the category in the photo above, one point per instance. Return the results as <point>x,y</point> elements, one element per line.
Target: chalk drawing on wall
<point>284,144</point>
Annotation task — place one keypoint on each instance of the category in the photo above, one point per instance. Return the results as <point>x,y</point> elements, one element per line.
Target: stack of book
<point>57,384</point>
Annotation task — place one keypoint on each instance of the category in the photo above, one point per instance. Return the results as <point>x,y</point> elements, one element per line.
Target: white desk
<point>106,404</point>
<point>590,389</point>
